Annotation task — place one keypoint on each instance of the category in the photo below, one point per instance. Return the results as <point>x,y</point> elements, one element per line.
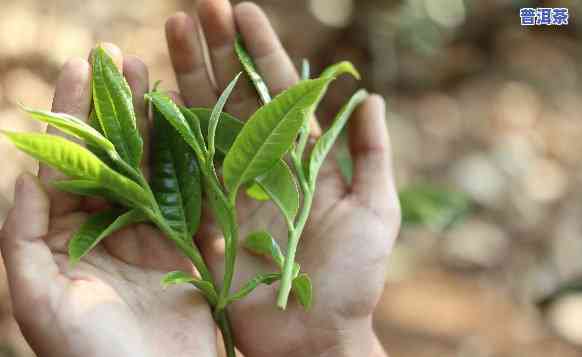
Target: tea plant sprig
<point>306,175</point>
<point>109,166</point>
<point>190,143</point>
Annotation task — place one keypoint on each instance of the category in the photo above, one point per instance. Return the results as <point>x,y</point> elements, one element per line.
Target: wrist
<point>356,340</point>
<point>359,343</point>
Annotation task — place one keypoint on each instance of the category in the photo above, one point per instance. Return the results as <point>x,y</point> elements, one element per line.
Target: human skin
<point>111,303</point>
<point>352,227</point>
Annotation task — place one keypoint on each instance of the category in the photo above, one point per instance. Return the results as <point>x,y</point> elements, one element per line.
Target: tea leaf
<point>215,116</point>
<point>97,227</point>
<point>103,155</point>
<point>227,130</point>
<point>280,184</point>
<point>255,192</point>
<point>325,143</point>
<point>78,162</point>
<point>252,284</point>
<point>194,123</point>
<point>87,236</point>
<point>73,126</point>
<point>114,108</point>
<point>200,119</point>
<point>344,161</point>
<point>174,116</point>
<point>220,208</point>
<point>88,188</point>
<point>251,69</point>
<point>338,69</point>
<point>270,132</point>
<point>205,287</point>
<point>296,270</point>
<point>263,243</point>
<point>303,290</point>
<point>176,181</point>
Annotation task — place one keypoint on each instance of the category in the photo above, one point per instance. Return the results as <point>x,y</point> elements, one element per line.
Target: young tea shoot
<point>191,146</point>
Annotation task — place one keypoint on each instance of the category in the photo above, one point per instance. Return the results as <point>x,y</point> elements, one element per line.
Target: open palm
<point>111,303</point>
<point>351,228</point>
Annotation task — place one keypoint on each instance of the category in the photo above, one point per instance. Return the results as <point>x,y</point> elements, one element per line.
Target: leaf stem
<point>227,337</point>
<point>302,142</point>
<point>231,240</point>
<point>189,250</point>
<point>295,234</point>
<point>230,232</point>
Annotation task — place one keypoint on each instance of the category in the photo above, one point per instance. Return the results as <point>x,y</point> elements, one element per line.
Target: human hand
<point>352,227</point>
<point>111,303</point>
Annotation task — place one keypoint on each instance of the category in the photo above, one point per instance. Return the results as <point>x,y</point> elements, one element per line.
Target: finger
<point>143,245</point>
<point>72,96</point>
<point>219,29</point>
<point>264,46</point>
<point>373,182</point>
<point>30,266</point>
<point>137,76</point>
<point>187,55</point>
<point>115,53</point>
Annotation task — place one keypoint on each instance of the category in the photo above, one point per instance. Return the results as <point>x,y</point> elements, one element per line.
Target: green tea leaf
<point>255,192</point>
<point>432,206</point>
<point>344,161</point>
<point>88,188</point>
<point>296,270</point>
<point>174,116</point>
<point>303,290</point>
<point>102,154</point>
<point>277,184</point>
<point>215,116</point>
<point>227,130</point>
<point>73,126</point>
<point>97,227</point>
<point>270,132</point>
<point>78,163</point>
<point>205,287</point>
<point>114,108</point>
<point>177,278</point>
<point>251,69</point>
<point>280,185</point>
<point>325,143</point>
<point>252,284</point>
<point>263,243</point>
<point>176,181</point>
<point>194,123</point>
<point>338,69</point>
<point>220,208</point>
<point>87,236</point>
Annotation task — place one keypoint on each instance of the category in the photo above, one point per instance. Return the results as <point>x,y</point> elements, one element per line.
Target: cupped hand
<point>352,226</point>
<point>111,303</point>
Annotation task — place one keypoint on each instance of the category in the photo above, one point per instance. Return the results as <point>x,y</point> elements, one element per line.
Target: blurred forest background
<point>477,104</point>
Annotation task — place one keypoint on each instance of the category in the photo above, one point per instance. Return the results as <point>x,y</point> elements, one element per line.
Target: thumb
<point>30,266</point>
